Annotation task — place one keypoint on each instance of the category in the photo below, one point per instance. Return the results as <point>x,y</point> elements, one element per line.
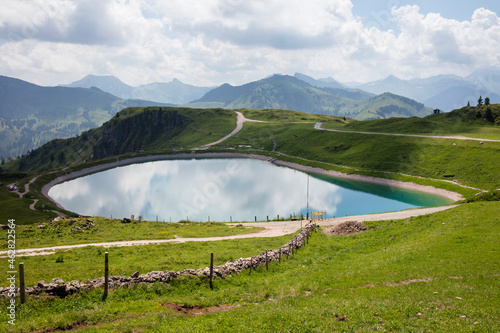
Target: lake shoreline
<point>308,169</point>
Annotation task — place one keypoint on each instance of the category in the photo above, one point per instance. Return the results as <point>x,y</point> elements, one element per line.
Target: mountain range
<point>445,92</point>
<point>31,115</point>
<point>291,93</point>
<point>174,92</point>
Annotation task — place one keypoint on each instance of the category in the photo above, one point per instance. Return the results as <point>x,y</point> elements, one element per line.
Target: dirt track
<point>319,126</point>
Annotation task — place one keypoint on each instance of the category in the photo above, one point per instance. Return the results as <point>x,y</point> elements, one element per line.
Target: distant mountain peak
<point>321,83</point>
<point>392,78</point>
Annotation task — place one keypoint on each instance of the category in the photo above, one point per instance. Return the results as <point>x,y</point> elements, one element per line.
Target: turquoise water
<point>226,189</point>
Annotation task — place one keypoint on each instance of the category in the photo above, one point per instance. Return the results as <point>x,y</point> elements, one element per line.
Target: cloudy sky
<point>210,42</point>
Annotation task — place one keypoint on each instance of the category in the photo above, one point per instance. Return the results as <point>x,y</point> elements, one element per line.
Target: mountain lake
<point>232,189</point>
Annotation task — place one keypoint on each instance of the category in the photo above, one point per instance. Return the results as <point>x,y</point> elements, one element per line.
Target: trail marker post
<point>106,275</point>
<point>211,270</point>
<point>22,286</point>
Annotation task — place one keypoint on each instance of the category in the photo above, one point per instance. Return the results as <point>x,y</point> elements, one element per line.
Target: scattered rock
<point>126,220</point>
<point>57,281</point>
<point>135,275</point>
<point>90,224</point>
<point>76,229</point>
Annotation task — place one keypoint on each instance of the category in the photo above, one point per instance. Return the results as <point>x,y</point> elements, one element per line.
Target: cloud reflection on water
<point>219,188</point>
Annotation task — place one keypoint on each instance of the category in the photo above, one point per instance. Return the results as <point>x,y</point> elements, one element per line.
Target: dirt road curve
<point>272,229</point>
<point>239,125</point>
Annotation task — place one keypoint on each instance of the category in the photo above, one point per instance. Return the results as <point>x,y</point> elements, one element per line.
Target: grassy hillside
<point>469,121</point>
<point>437,272</point>
<point>431,273</point>
<point>133,130</point>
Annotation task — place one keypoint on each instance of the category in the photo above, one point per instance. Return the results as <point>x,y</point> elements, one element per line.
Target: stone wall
<point>57,287</point>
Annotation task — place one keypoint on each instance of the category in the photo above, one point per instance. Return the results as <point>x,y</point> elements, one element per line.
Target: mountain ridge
<point>289,92</point>
<point>173,92</point>
<point>443,91</point>
<point>31,115</point>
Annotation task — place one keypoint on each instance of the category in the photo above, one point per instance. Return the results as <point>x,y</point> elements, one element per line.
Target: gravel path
<point>319,126</point>
<point>239,125</point>
<point>272,229</point>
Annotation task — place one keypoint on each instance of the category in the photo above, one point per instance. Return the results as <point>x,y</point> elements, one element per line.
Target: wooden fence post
<point>106,275</point>
<point>267,267</point>
<point>22,286</point>
<point>211,270</point>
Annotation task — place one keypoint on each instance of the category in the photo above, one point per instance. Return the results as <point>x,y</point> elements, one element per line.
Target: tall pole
<point>307,215</point>
<point>211,270</point>
<point>106,276</point>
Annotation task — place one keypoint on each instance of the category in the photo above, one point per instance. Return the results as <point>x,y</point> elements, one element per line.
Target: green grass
<point>430,273</point>
<point>112,230</point>
<point>88,262</point>
<point>287,116</point>
<point>468,122</point>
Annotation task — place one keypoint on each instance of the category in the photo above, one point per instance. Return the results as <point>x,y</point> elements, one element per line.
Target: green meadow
<point>438,272</point>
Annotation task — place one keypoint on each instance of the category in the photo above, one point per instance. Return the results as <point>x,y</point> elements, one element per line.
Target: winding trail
<point>239,125</point>
<point>35,201</point>
<point>272,229</point>
<point>319,126</point>
<point>26,188</point>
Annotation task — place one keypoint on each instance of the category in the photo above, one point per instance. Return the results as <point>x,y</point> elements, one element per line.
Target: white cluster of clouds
<point>215,41</point>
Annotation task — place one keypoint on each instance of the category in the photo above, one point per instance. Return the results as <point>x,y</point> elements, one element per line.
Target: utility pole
<point>307,215</point>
